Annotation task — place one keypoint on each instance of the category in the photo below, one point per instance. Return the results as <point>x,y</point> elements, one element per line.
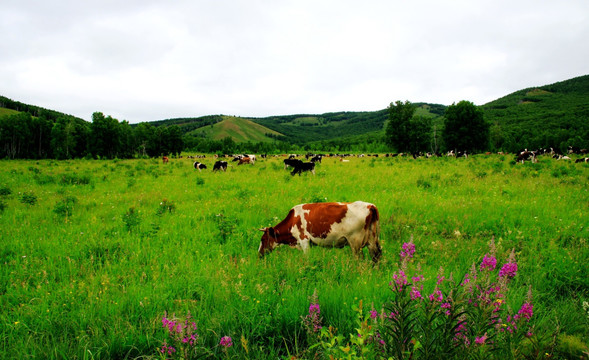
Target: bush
<point>5,190</point>
<point>131,219</point>
<point>28,198</point>
<point>65,207</point>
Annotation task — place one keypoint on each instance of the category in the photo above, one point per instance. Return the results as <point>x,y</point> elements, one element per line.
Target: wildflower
<point>480,340</point>
<point>489,262</point>
<point>373,314</point>
<point>314,308</point>
<point>226,342</point>
<point>415,294</point>
<point>526,311</point>
<point>408,250</point>
<point>446,306</point>
<point>399,280</point>
<point>508,270</point>
<point>436,295</point>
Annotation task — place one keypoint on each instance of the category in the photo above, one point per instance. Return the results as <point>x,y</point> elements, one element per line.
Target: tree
<point>399,126</point>
<point>465,128</point>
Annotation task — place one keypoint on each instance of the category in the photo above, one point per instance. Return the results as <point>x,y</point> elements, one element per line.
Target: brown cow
<point>329,225</point>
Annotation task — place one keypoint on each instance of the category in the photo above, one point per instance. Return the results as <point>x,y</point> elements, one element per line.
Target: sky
<point>147,60</point>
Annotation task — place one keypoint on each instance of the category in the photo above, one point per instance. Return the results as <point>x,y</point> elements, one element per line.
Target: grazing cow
<point>526,155</point>
<point>343,160</point>
<point>165,159</point>
<point>316,158</point>
<point>291,163</point>
<point>245,160</point>
<point>582,160</point>
<point>220,165</point>
<point>329,225</point>
<point>302,167</point>
<point>199,166</point>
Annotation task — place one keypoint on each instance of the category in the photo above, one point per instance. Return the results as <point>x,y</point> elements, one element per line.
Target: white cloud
<point>149,60</point>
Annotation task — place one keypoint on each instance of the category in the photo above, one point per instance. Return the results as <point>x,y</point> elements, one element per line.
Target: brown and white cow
<point>165,159</point>
<point>327,224</point>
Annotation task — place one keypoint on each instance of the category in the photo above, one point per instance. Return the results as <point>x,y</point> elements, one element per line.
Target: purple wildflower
<point>373,314</point>
<point>436,295</point>
<point>399,280</point>
<point>526,311</point>
<point>508,270</point>
<point>480,340</point>
<point>415,294</point>
<point>489,262</point>
<point>226,342</point>
<point>408,250</point>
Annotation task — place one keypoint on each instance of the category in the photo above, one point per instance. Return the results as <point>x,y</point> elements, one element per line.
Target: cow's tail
<point>373,233</point>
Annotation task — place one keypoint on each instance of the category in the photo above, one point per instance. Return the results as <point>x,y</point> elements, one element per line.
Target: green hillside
<point>555,115</point>
<point>239,129</point>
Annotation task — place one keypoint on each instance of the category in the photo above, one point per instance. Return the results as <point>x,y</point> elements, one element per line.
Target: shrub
<point>5,190</point>
<point>65,207</point>
<point>28,198</point>
<point>131,219</point>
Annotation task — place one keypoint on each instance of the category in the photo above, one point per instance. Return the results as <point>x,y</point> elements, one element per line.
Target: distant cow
<point>302,167</point>
<point>199,166</point>
<point>526,155</point>
<point>582,160</point>
<point>316,158</point>
<point>245,160</point>
<point>165,159</point>
<point>220,165</point>
<point>291,163</point>
<point>327,224</point>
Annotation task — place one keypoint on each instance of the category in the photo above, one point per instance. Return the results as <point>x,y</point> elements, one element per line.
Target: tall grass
<point>90,266</point>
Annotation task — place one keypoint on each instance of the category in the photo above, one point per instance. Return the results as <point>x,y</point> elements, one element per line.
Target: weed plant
<point>97,285</point>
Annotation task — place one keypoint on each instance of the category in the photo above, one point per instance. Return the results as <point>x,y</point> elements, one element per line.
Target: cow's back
<point>334,224</point>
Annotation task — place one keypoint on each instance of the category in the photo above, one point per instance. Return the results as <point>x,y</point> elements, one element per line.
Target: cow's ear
<point>263,229</point>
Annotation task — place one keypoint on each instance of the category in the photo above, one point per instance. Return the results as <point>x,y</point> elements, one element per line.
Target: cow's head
<point>268,242</point>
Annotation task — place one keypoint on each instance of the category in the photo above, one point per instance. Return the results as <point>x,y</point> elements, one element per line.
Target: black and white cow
<point>302,167</point>
<point>220,165</point>
<point>199,166</point>
<point>291,162</point>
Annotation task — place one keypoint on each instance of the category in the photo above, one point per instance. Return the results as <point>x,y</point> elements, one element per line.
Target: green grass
<point>90,266</point>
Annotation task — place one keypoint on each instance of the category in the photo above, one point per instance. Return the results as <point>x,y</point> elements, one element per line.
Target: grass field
<point>93,253</point>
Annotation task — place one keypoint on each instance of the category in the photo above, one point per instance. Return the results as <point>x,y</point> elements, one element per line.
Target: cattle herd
<point>298,166</point>
<point>343,224</point>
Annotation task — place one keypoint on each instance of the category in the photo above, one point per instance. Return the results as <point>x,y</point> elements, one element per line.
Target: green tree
<point>399,126</point>
<point>465,128</point>
<point>63,138</point>
<point>105,136</point>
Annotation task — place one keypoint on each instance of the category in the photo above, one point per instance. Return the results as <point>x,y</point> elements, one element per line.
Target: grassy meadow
<point>93,253</point>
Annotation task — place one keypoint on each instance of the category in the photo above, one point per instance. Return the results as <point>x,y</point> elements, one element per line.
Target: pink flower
<point>436,296</point>
<point>489,262</point>
<point>399,280</point>
<point>408,250</point>
<point>226,342</point>
<point>526,311</point>
<point>415,294</point>
<point>508,270</point>
<point>480,340</point>
<point>373,314</point>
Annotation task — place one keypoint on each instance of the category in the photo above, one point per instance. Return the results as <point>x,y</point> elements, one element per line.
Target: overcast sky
<point>145,60</point>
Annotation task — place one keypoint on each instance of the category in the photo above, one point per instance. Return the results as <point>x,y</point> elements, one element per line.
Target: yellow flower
<point>16,322</point>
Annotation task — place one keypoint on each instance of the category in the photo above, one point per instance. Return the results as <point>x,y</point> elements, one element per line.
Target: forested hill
<point>555,115</point>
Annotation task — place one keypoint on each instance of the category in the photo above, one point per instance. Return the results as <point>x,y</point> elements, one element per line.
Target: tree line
<point>23,136</point>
